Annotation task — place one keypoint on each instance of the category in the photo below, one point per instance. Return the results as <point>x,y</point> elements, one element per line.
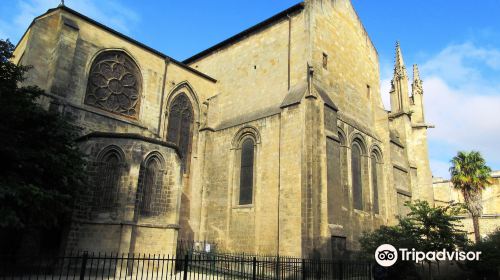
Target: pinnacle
<point>416,72</point>
<point>399,56</point>
<point>399,67</point>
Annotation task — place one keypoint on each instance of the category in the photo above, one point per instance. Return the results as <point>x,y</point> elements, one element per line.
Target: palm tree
<point>470,175</point>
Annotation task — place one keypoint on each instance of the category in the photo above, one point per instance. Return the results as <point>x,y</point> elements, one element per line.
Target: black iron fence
<point>196,265</point>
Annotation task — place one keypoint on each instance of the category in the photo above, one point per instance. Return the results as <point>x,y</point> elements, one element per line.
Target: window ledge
<point>243,207</point>
<point>361,212</point>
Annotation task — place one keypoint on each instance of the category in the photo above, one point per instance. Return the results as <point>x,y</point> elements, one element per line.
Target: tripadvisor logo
<point>386,255</point>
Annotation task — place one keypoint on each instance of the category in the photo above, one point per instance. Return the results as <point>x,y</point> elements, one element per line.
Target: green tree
<point>425,229</point>
<point>43,171</point>
<point>470,175</point>
<point>488,266</point>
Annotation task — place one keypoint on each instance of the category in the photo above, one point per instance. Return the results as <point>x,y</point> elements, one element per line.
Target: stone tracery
<point>114,84</point>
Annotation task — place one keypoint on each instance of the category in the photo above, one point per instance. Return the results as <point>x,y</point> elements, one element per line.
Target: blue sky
<point>455,42</point>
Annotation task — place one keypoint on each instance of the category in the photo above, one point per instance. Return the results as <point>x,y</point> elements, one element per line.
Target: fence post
<point>254,268</point>
<point>341,270</point>
<point>186,267</point>
<point>85,257</point>
<point>278,268</point>
<point>370,270</point>
<point>304,272</point>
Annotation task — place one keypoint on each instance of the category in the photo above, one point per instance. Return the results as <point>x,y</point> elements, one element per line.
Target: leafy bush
<point>488,266</point>
<point>425,228</point>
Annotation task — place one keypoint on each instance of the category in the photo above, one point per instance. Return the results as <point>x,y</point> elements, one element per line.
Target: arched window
<point>114,84</point>
<point>150,192</point>
<point>344,170</point>
<point>246,171</point>
<point>374,161</point>
<point>107,181</point>
<point>357,185</point>
<point>180,127</point>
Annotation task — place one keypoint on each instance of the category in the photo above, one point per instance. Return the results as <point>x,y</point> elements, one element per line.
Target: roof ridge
<point>121,35</point>
<point>259,26</point>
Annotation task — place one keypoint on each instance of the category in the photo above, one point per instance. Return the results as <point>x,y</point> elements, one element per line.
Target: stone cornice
<point>133,136</point>
<point>423,125</point>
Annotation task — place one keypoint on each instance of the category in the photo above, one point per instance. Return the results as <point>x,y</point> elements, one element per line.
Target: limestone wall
<point>489,221</point>
<point>62,47</point>
<point>304,86</point>
<point>243,228</point>
<point>121,227</point>
<point>346,66</point>
<point>352,61</point>
<point>253,71</point>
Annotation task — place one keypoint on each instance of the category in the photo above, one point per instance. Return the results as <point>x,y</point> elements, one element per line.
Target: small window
<point>368,91</point>
<point>325,61</point>
<point>246,172</point>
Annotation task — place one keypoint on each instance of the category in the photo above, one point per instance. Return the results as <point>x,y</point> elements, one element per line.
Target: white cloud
<point>462,98</point>
<point>109,12</point>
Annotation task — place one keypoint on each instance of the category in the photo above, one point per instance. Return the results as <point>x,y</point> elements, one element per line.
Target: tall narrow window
<point>357,187</point>
<point>375,183</point>
<point>150,188</point>
<point>107,181</point>
<point>180,127</point>
<point>246,172</point>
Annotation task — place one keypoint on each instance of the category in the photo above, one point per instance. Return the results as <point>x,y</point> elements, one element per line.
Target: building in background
<point>274,141</point>
<point>489,221</point>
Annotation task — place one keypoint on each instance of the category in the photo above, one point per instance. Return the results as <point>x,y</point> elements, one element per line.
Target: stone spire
<point>399,67</point>
<point>399,85</point>
<point>417,87</point>
<point>417,97</point>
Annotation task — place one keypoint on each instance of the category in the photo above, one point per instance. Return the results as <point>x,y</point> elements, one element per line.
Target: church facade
<point>274,141</point>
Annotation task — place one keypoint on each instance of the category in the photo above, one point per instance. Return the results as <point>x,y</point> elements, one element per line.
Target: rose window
<point>114,84</point>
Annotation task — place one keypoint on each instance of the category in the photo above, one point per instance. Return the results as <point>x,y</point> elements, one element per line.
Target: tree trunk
<point>475,222</point>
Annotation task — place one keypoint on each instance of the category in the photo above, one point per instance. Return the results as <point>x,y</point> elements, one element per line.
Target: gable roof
<point>296,93</point>
<point>256,28</point>
<point>122,36</point>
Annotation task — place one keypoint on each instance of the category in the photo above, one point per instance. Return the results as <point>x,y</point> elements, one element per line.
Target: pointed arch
<point>180,127</point>
<point>182,119</point>
<point>110,163</point>
<point>186,88</point>
<point>150,192</point>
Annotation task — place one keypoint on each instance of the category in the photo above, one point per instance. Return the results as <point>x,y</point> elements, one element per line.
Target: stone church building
<point>274,141</point>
